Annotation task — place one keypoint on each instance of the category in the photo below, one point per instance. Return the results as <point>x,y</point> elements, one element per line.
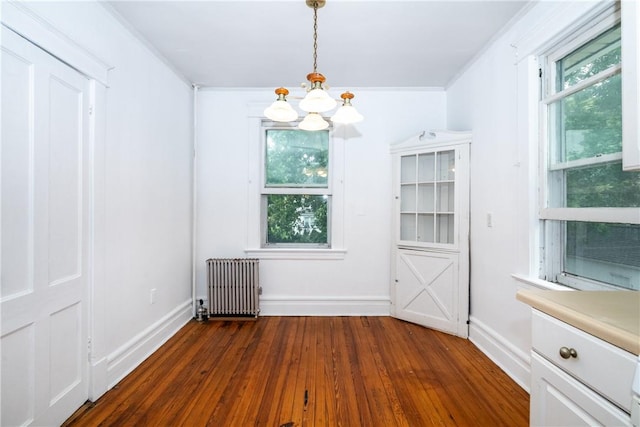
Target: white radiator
<point>234,287</point>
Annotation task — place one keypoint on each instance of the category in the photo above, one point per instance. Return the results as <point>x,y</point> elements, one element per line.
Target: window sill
<point>309,254</point>
<point>540,284</point>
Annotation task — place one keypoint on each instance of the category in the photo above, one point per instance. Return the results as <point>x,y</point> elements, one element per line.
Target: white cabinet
<point>430,269</point>
<point>577,379</point>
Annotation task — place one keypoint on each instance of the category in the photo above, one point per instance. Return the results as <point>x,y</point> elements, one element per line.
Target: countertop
<point>613,316</point>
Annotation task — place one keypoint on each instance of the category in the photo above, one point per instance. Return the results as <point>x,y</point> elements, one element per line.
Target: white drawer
<point>603,367</point>
<point>557,399</point>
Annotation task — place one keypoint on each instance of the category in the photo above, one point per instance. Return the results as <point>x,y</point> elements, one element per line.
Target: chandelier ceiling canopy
<point>317,99</point>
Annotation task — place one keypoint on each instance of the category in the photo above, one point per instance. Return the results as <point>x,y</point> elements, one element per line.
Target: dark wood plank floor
<point>312,371</point>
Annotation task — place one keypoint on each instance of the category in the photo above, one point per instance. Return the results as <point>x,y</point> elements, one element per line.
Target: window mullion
<point>611,71</point>
<point>296,190</point>
<point>589,161</point>
<point>610,215</point>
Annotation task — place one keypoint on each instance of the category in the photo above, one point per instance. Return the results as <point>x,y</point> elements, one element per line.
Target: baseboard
<point>324,306</point>
<point>512,360</point>
<point>98,383</point>
<point>126,358</point>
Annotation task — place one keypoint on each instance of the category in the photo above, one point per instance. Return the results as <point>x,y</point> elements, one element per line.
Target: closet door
<point>430,265</point>
<point>44,226</point>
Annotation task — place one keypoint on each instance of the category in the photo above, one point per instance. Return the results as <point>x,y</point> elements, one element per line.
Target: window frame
<point>553,220</point>
<point>257,126</point>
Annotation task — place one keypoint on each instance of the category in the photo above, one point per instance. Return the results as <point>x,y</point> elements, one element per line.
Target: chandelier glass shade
<point>317,99</point>
<point>313,121</point>
<point>281,110</point>
<point>347,113</point>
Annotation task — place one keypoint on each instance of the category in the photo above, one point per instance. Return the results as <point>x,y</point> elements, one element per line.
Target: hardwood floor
<point>312,371</point>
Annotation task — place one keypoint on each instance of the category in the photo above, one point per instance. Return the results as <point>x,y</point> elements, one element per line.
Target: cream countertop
<point>613,316</point>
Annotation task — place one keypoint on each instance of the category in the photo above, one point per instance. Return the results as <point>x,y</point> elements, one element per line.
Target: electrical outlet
<point>489,219</point>
<point>152,296</point>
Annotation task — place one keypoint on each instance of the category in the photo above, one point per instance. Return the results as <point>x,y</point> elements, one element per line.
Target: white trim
<point>128,356</point>
<point>296,254</point>
<point>430,139</point>
<point>194,202</point>
<point>527,106</point>
<point>254,208</point>
<point>98,381</point>
<point>513,361</point>
<point>324,306</point>
<point>18,17</point>
<point>540,283</point>
<point>630,86</point>
<point>334,89</point>
<point>97,317</point>
<point>618,215</point>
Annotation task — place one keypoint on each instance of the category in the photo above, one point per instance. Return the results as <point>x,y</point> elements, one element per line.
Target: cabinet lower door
<point>427,291</point>
<point>557,399</point>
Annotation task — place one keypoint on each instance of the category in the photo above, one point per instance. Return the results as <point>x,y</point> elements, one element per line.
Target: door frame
<point>23,19</point>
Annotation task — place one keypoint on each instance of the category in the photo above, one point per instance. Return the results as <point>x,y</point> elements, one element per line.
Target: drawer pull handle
<point>566,353</point>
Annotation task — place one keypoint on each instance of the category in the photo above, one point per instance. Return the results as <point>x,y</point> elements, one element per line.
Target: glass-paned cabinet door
<point>427,197</point>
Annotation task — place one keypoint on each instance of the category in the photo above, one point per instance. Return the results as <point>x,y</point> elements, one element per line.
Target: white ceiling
<point>361,43</point>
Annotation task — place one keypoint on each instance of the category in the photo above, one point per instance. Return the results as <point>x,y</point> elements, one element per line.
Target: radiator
<point>233,287</point>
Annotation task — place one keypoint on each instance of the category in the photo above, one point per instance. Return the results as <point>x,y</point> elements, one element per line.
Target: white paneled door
<point>430,266</point>
<point>45,232</point>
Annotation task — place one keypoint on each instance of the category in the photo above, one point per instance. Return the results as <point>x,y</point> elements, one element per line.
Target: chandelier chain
<point>315,37</point>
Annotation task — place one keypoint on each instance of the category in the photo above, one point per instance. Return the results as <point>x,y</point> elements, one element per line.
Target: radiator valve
<point>202,314</point>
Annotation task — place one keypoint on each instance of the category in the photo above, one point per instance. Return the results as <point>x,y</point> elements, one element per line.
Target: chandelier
<point>317,100</point>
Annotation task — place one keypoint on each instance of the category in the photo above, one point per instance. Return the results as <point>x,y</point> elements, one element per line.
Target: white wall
<point>492,99</point>
<point>357,284</point>
<point>142,210</point>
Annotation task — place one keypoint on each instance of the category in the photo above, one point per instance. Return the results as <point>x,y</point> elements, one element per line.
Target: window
<point>589,207</point>
<point>296,191</point>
